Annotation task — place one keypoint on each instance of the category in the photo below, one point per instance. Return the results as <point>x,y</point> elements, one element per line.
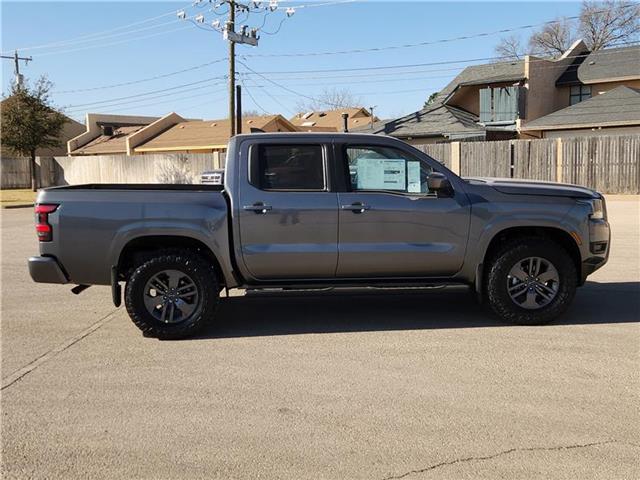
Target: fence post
<point>559,162</point>
<point>512,159</point>
<point>455,157</point>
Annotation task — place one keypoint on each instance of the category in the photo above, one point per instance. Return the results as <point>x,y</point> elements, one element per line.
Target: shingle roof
<point>620,106</point>
<point>103,144</point>
<point>205,134</point>
<point>603,65</point>
<point>331,120</point>
<point>486,73</point>
<point>438,120</point>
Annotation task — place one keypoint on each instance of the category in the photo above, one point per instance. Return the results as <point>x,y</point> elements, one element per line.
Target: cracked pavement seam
<point>504,452</point>
<point>31,366</point>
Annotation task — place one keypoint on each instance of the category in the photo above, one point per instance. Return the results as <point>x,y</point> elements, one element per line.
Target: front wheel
<point>531,281</point>
<point>172,295</point>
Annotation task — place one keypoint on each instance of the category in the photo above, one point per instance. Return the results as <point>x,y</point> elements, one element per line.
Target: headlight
<point>597,208</point>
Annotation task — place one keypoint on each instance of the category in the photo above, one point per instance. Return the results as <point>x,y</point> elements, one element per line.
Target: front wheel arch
<point>557,235</point>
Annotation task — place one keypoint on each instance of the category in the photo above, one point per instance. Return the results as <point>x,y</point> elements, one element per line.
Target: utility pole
<point>246,35</point>
<point>238,109</point>
<point>16,59</point>
<point>232,68</point>
<point>372,117</point>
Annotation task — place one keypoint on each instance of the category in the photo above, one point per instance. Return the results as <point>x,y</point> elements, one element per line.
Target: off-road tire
<point>507,256</point>
<point>204,277</point>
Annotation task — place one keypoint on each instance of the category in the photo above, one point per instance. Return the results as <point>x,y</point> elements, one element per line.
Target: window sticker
<point>381,174</point>
<point>413,177</point>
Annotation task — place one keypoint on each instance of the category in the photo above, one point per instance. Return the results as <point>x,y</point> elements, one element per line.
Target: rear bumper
<point>46,270</point>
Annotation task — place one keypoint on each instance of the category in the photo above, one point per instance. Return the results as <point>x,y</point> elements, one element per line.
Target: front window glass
<point>384,168</point>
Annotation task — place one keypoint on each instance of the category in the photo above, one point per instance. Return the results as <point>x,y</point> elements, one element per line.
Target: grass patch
<point>12,197</point>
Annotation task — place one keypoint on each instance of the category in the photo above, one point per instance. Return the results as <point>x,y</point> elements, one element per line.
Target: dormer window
<point>579,93</point>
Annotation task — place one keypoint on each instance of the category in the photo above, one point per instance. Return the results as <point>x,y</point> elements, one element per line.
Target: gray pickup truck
<point>315,211</point>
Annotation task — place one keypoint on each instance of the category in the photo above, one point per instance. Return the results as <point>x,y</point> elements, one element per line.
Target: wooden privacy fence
<point>158,168</point>
<point>439,151</point>
<point>15,173</point>
<point>610,164</point>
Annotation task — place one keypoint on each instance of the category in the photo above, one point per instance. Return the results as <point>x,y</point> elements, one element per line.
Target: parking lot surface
<point>374,385</point>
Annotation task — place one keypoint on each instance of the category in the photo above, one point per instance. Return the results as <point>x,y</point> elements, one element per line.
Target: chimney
<point>345,124</point>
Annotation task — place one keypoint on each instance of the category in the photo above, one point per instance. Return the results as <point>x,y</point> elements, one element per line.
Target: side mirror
<point>438,183</point>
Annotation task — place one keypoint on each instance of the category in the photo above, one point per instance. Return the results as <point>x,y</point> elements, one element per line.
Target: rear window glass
<point>290,167</point>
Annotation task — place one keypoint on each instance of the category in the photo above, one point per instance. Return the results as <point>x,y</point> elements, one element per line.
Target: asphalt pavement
<point>373,385</point>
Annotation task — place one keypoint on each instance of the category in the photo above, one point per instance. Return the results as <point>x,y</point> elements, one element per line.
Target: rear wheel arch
<point>140,249</point>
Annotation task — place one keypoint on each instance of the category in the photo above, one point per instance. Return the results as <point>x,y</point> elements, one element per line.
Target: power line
<point>318,4</point>
<point>154,103</point>
<point>148,93</point>
<point>75,39</point>
<point>253,72</point>
<point>504,59</point>
<point>277,29</point>
<point>392,92</point>
<point>109,44</point>
<point>288,89</point>
<point>420,44</point>
<point>280,104</point>
<point>142,80</point>
<point>251,97</point>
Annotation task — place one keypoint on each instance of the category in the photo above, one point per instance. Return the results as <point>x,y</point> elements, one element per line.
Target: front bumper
<point>599,247</point>
<point>46,270</point>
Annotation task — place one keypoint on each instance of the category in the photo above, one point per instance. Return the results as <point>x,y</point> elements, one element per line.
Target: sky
<point>89,49</point>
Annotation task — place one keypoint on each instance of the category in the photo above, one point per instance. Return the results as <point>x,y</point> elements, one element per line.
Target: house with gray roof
<point>615,111</point>
<point>500,101</point>
<point>603,92</point>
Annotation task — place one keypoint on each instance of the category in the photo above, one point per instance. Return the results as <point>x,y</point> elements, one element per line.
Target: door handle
<point>356,207</point>
<point>258,208</point>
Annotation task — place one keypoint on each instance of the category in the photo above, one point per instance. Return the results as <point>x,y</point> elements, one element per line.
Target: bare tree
<point>601,25</point>
<point>252,113</point>
<point>175,170</point>
<point>509,48</point>
<point>329,99</point>
<point>605,23</point>
<point>553,39</point>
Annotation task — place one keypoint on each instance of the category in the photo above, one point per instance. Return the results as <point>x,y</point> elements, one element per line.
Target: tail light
<point>43,229</point>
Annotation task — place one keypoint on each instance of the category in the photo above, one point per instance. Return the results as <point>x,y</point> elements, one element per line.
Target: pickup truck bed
<point>94,223</point>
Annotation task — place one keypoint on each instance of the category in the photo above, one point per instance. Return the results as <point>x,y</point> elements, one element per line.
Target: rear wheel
<point>172,295</point>
<point>531,281</point>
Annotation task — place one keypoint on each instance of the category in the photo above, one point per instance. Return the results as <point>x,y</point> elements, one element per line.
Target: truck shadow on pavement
<point>291,313</point>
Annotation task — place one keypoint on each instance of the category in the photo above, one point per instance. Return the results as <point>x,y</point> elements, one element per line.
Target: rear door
<point>391,225</point>
<point>288,217</point>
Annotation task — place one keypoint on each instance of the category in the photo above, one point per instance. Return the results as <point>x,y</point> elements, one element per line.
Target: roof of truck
<point>310,134</point>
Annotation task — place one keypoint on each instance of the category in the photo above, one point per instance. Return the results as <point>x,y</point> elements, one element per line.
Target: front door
<point>288,217</point>
<point>390,224</point>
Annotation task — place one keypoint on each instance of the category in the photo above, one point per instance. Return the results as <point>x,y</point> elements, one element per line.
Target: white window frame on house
<point>579,93</point>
